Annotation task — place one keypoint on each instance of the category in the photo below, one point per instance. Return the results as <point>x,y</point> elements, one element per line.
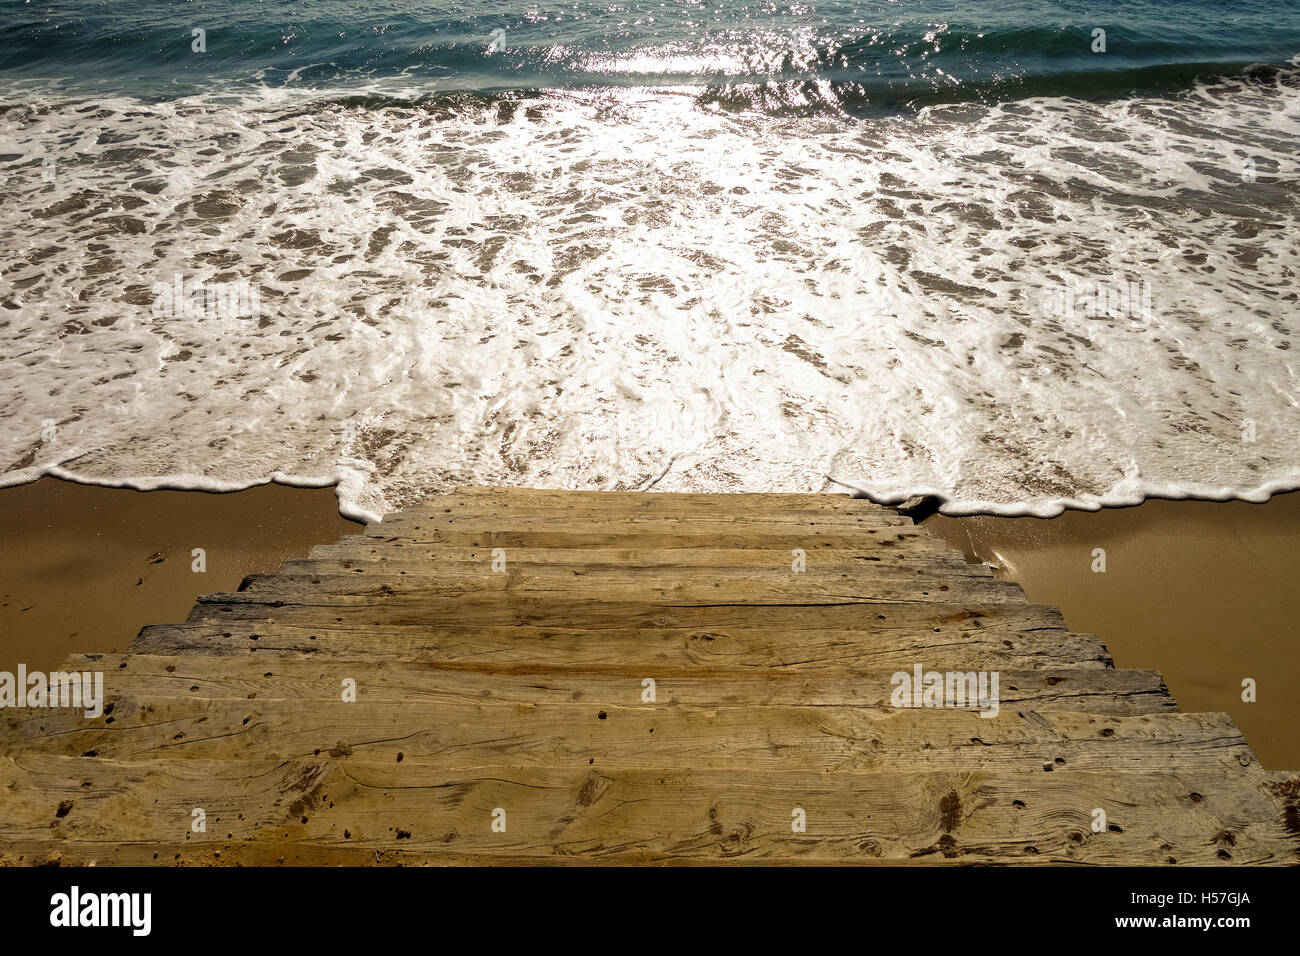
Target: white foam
<point>593,288</point>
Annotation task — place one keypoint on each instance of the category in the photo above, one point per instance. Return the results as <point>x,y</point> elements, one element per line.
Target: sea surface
<point>974,249</point>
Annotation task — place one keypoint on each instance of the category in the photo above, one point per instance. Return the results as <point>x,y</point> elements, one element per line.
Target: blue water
<point>842,54</point>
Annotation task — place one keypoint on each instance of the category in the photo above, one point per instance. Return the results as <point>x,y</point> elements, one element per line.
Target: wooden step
<point>388,605</point>
<point>78,810</point>
<point>778,507</point>
<point>650,511</point>
<point>306,677</point>
<point>614,534</point>
<point>365,552</point>
<point>645,586</point>
<point>632,650</point>
<point>627,733</point>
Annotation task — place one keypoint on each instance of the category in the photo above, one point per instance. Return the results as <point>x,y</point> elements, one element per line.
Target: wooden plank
<point>576,610</point>
<point>639,502</point>
<point>317,678</point>
<point>677,517</point>
<point>964,580</point>
<point>648,534</point>
<point>776,565</point>
<point>778,498</point>
<point>667,586</point>
<point>361,551</point>
<point>674,518</point>
<point>79,810</point>
<point>875,524</point>
<point>465,733</point>
<point>395,544</point>
<point>630,650</point>
<point>616,536</point>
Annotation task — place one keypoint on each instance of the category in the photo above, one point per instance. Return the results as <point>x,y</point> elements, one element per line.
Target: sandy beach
<point>83,568</point>
<point>1203,591</point>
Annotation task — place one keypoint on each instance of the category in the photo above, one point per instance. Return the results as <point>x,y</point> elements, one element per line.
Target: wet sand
<point>1208,593</point>
<point>84,568</point>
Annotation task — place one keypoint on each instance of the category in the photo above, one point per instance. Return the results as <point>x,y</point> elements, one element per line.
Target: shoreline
<point>934,503</point>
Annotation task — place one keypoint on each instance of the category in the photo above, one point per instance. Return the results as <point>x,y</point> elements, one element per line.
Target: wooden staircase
<point>499,642</point>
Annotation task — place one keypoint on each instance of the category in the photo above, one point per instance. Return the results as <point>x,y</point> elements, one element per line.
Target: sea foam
<point>630,288</point>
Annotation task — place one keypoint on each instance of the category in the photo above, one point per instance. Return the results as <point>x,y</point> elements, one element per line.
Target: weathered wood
<point>649,585</point>
<point>625,733</point>
<point>257,811</point>
<point>502,500</point>
<point>522,690</point>
<point>613,521</point>
<point>614,535</point>
<point>390,606</point>
<point>304,677</point>
<point>672,516</point>
<point>369,553</point>
<point>966,582</point>
<point>607,650</point>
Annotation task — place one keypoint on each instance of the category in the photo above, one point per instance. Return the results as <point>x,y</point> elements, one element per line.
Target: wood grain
<point>772,628</point>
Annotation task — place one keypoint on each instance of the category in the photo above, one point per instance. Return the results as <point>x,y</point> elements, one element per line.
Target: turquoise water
<point>846,54</point>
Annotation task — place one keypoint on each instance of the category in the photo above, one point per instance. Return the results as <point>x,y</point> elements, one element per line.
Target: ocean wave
<point>619,288</point>
<point>849,54</point>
